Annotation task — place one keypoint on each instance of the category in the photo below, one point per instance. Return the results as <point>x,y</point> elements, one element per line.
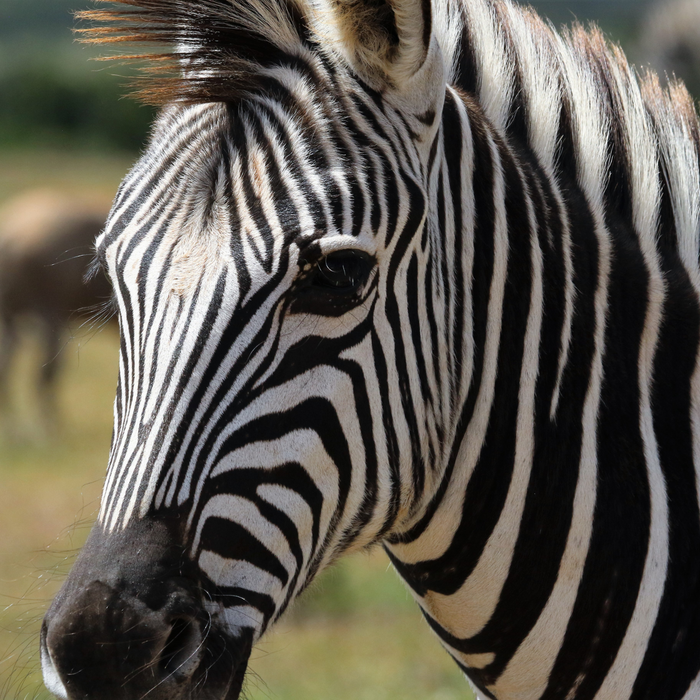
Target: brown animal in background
<point>46,247</point>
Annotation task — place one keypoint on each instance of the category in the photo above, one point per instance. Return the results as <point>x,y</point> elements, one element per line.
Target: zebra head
<point>267,253</point>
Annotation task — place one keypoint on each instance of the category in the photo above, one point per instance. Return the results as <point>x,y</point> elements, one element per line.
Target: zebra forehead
<point>244,183</point>
<point>201,156</point>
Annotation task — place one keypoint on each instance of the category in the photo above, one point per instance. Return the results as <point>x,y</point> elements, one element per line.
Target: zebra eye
<point>342,271</point>
<point>333,284</point>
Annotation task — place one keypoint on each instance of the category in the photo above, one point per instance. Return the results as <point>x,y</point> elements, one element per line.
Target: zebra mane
<point>210,50</point>
<point>555,93</point>
<point>574,101</point>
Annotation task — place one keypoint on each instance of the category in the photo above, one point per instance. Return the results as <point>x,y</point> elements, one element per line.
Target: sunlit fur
<point>511,407</point>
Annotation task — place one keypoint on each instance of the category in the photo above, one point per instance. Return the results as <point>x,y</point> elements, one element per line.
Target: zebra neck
<point>505,291</point>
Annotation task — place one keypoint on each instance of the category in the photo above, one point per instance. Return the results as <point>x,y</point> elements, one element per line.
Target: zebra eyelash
<point>94,268</point>
<point>98,315</point>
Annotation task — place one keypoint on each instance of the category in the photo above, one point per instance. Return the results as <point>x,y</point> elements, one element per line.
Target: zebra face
<point>248,352</point>
<point>264,255</point>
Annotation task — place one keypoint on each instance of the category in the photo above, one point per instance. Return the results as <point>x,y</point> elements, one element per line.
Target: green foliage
<point>41,105</point>
<point>361,582</point>
<point>51,94</point>
<point>37,16</point>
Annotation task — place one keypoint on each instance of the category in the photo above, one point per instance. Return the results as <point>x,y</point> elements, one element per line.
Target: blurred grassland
<point>356,635</point>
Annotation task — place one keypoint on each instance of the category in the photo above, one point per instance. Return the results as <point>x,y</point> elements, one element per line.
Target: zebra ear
<point>389,43</point>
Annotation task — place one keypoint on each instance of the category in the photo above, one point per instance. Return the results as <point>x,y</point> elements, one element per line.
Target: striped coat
<point>419,276</point>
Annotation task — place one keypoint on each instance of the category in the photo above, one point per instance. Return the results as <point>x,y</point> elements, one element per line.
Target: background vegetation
<point>50,94</point>
<point>63,123</point>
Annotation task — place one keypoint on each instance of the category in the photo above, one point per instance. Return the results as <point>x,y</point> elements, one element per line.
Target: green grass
<point>356,635</point>
<point>49,489</point>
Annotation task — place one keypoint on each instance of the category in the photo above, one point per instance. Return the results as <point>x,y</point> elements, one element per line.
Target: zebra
<point>45,240</point>
<point>419,274</point>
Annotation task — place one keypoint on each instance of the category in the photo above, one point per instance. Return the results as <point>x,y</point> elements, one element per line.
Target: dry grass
<point>73,172</point>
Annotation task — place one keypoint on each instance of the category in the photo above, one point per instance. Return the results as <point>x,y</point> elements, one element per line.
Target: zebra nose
<point>106,645</point>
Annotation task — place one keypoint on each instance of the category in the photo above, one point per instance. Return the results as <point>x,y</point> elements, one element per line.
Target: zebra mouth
<point>186,668</point>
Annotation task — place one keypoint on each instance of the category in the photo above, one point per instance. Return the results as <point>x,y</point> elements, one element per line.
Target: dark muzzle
<point>130,622</point>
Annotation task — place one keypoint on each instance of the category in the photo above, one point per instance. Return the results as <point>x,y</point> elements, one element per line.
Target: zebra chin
<point>134,620</point>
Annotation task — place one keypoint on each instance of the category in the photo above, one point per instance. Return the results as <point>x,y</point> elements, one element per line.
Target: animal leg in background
<point>8,344</point>
<point>51,340</point>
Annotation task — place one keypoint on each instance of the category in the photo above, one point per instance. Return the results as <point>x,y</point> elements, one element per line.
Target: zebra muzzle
<point>105,639</point>
<point>128,628</point>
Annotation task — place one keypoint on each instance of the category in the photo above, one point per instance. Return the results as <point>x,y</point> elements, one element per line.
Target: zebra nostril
<point>181,653</point>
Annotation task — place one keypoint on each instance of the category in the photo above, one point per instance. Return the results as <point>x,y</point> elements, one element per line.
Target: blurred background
<point>66,139</point>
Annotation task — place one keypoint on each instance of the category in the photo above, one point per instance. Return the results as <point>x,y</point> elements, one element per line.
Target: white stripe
<point>236,573</point>
<point>495,66</point>
<point>694,690</point>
